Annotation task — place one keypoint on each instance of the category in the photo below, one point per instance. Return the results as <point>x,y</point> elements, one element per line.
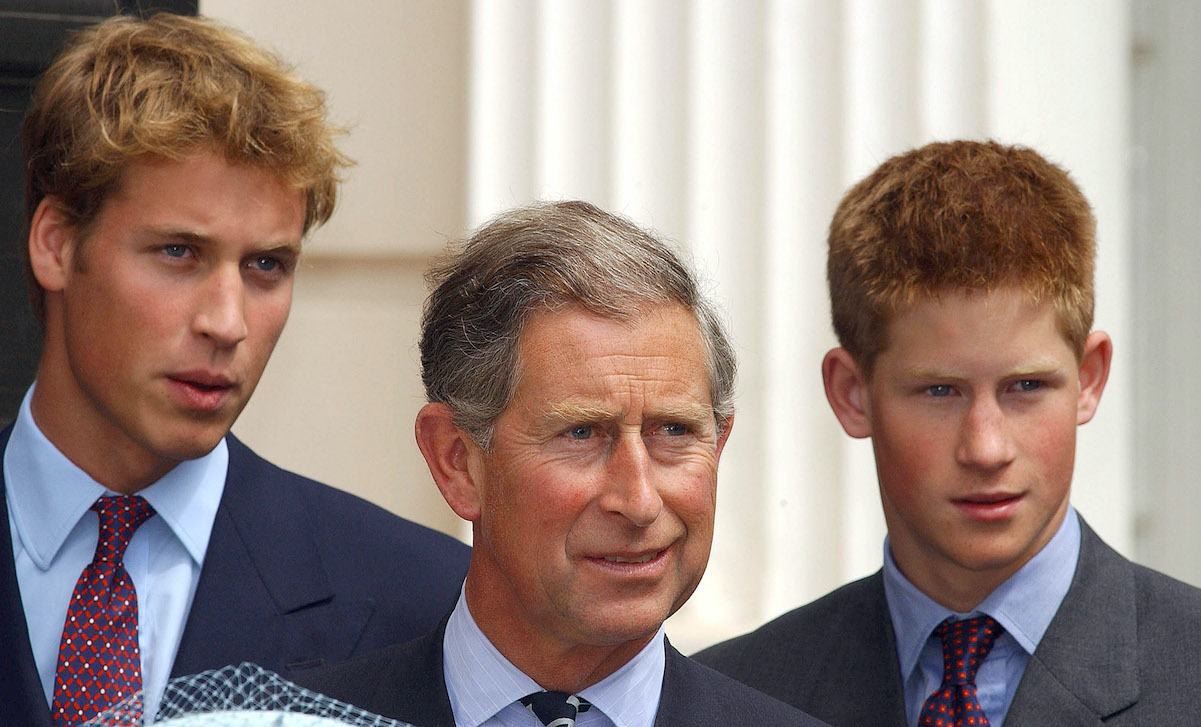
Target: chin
<point>189,446</point>
<point>999,558</point>
<point>620,625</point>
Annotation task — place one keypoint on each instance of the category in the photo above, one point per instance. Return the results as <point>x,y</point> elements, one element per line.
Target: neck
<point>116,465</point>
<point>555,663</point>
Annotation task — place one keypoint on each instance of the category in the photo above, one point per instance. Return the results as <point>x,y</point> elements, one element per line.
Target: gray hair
<point>546,257</point>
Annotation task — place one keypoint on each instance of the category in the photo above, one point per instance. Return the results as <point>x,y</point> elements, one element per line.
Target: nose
<point>984,440</point>
<point>221,314</point>
<point>630,490</point>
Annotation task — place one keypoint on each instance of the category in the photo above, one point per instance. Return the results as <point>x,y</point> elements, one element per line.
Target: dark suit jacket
<point>297,574</point>
<point>405,682</point>
<point>1123,649</point>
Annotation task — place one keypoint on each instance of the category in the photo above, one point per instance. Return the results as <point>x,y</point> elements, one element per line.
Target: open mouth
<point>201,392</point>
<point>643,562</point>
<point>203,387</point>
<point>637,559</point>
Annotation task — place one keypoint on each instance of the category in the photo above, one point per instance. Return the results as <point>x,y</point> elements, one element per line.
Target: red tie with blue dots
<point>964,646</point>
<point>99,663</point>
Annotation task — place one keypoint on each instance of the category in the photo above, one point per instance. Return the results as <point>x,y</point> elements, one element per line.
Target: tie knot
<point>119,517</point>
<point>555,709</point>
<point>964,645</point>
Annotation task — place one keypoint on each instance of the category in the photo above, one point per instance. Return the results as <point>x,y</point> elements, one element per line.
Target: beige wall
<point>338,400</point>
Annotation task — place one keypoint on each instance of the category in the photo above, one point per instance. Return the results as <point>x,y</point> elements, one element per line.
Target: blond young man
<point>961,283</point>
<point>172,170</point>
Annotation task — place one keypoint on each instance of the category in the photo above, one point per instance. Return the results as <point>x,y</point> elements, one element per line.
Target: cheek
<point>907,465</point>
<point>1052,448</point>
<point>268,313</point>
<point>534,507</point>
<point>693,500</point>
<point>265,323</point>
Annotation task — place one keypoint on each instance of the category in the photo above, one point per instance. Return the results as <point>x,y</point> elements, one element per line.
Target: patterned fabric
<point>555,709</point>
<point>98,661</point>
<point>964,646</point>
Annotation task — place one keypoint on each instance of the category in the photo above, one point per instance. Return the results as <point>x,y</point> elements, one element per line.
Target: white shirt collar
<point>481,681</point>
<point>186,498</point>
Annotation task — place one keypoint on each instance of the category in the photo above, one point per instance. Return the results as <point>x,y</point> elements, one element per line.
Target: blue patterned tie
<point>555,709</point>
<point>964,646</point>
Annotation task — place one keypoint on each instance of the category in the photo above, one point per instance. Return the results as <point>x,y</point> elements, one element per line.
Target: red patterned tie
<point>964,646</point>
<point>98,661</point>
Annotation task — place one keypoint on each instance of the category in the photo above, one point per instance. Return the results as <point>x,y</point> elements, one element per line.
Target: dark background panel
<point>31,33</point>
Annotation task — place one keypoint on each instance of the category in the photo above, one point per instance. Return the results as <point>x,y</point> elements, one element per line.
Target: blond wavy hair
<point>167,86</point>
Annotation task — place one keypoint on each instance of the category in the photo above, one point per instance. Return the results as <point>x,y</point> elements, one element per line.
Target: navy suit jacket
<point>297,574</point>
<point>405,682</point>
<point>1121,650</point>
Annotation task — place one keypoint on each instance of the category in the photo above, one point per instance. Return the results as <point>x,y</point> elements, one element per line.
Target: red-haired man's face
<point>972,409</point>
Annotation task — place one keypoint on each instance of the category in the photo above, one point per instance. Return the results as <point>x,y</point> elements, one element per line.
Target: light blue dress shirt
<point>484,687</point>
<point>54,536</point>
<point>1024,605</point>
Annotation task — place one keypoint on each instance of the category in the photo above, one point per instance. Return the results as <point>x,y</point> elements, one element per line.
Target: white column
<point>803,170</point>
<point>650,120</point>
<point>502,109</point>
<point>572,139</point>
<point>881,81</point>
<point>953,61</point>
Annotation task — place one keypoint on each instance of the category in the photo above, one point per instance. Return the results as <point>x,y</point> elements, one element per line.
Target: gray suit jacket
<point>1123,649</point>
<point>405,682</point>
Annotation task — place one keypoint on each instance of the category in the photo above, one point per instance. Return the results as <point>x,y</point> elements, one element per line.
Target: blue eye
<point>939,390</point>
<point>266,264</point>
<point>175,250</point>
<point>1029,385</point>
<point>675,429</point>
<point>580,432</point>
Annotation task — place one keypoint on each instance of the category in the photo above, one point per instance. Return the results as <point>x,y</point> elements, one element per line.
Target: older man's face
<point>597,496</point>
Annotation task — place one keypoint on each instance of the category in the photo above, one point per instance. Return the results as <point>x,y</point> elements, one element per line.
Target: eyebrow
<point>169,232</point>
<point>1035,367</point>
<point>567,413</point>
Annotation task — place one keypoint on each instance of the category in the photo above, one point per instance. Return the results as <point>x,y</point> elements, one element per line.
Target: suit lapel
<point>1085,669</point>
<point>676,701</point>
<point>22,700</point>
<point>414,690</point>
<point>262,565</point>
<point>403,681</point>
<point>857,678</point>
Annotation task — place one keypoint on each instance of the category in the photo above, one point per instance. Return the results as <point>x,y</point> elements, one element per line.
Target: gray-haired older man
<point>581,393</point>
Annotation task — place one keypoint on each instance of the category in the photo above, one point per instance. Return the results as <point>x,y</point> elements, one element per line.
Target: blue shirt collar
<point>1024,604</point>
<point>481,681</point>
<point>186,498</point>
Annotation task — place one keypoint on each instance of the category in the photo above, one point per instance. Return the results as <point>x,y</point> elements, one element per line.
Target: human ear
<point>846,390</point>
<point>51,244</point>
<point>453,457</point>
<point>726,426</point>
<point>1094,372</point>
